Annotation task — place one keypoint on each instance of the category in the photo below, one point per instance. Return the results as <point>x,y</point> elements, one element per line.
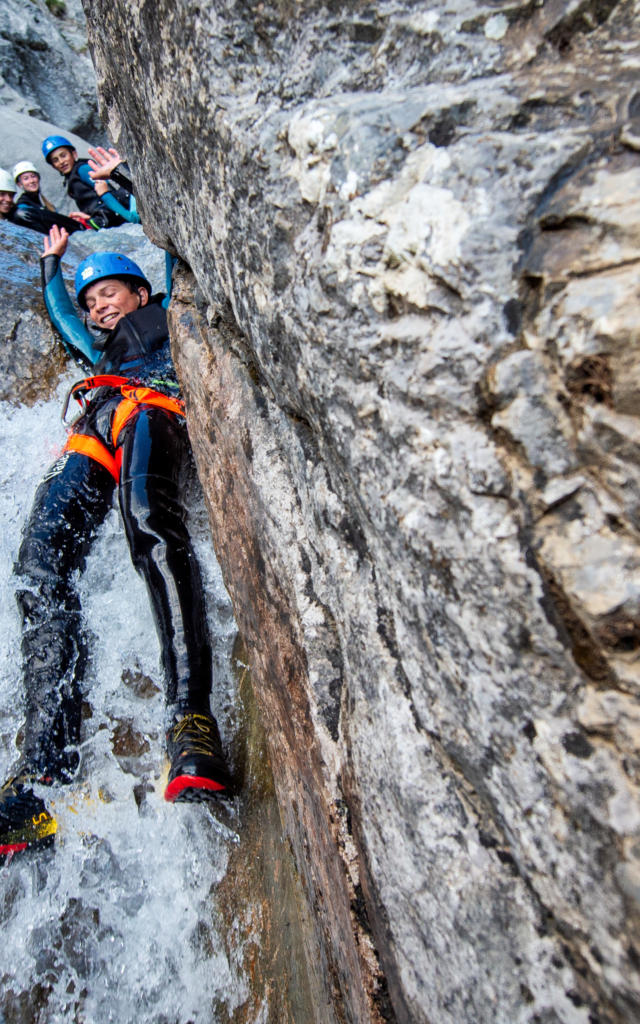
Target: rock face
<point>30,356</point>
<point>409,345</point>
<point>45,69</point>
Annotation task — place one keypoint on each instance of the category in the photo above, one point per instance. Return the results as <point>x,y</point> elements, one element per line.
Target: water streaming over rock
<point>119,922</point>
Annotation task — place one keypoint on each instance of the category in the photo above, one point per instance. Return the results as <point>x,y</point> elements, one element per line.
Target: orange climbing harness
<point>134,396</point>
<point>94,449</point>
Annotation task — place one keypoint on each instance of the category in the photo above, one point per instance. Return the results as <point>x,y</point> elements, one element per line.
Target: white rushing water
<point>118,922</point>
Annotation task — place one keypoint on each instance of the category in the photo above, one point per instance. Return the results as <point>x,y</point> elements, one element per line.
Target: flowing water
<point>118,922</point>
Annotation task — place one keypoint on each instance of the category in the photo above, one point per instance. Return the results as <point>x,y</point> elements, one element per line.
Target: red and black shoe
<point>25,822</point>
<point>198,769</point>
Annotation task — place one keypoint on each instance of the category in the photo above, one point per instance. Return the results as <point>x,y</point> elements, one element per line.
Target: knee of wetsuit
<point>41,592</point>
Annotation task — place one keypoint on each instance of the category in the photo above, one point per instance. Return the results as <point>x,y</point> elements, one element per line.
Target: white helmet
<point>7,183</point>
<point>22,167</point>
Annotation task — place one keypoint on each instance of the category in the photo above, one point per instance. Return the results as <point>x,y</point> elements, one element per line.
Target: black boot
<point>24,819</point>
<point>198,770</point>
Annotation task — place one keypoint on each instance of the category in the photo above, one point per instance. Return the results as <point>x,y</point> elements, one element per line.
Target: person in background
<point>108,165</point>
<point>28,214</point>
<point>130,439</point>
<point>63,157</point>
<point>7,193</point>
<point>27,177</point>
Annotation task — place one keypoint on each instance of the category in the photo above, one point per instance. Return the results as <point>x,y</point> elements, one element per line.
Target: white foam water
<point>118,921</point>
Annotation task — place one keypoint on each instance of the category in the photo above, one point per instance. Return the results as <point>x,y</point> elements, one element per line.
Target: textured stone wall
<point>45,69</point>
<point>409,344</point>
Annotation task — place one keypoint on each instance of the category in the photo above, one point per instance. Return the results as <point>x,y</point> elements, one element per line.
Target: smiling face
<point>111,299</point>
<point>63,159</point>
<point>29,181</point>
<point>6,202</point>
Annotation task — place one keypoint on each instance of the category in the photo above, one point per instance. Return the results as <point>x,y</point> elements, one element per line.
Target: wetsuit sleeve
<point>121,178</point>
<point>40,219</point>
<point>112,204</point>
<point>75,337</point>
<point>83,173</point>
<point>169,264</point>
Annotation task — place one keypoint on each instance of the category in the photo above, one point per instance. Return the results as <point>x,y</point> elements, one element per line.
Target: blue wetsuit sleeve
<point>83,174</point>
<point>75,336</point>
<point>109,200</point>
<point>169,264</point>
<point>112,203</point>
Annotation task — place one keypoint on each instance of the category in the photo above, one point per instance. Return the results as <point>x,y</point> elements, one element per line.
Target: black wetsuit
<point>149,454</point>
<point>28,214</point>
<point>33,199</point>
<point>80,188</point>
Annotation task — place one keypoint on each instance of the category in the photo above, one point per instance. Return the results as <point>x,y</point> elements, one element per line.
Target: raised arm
<point>75,336</point>
<point>103,162</point>
<point>108,164</point>
<point>38,218</point>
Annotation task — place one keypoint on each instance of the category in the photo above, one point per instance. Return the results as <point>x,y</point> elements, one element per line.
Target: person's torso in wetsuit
<point>32,198</point>
<point>137,348</point>
<point>80,189</point>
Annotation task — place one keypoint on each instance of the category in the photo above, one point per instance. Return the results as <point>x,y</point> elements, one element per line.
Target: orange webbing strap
<point>79,390</point>
<point>147,396</point>
<point>135,397</point>
<point>101,381</point>
<point>93,449</point>
<point>126,409</point>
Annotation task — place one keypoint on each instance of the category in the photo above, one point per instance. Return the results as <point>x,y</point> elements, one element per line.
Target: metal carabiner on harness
<point>76,393</point>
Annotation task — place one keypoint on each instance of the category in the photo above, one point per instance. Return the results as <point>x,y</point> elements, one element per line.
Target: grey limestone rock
<point>409,346</point>
<point>45,69</point>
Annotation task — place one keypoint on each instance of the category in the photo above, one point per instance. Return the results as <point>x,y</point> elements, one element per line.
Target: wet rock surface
<point>268,929</point>
<point>410,352</point>
<point>31,358</point>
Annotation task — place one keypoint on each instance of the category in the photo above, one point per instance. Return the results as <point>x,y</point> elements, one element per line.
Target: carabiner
<point>79,397</point>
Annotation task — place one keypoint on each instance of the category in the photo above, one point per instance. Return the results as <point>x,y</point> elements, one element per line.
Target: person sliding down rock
<point>63,157</point>
<point>30,215</point>
<point>129,439</point>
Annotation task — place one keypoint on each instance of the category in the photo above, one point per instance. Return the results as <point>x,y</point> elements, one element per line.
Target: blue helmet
<point>54,142</point>
<point>106,264</point>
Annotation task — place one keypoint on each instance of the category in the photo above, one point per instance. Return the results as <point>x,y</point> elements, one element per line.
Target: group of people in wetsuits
<point>99,186</point>
<point>129,440</point>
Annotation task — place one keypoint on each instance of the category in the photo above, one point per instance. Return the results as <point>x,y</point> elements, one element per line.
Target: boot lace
<point>195,733</point>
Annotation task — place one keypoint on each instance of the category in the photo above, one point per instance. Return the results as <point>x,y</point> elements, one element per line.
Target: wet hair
<point>132,283</point>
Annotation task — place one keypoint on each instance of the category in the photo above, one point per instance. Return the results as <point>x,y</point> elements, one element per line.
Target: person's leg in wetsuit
<point>155,451</point>
<point>69,505</point>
